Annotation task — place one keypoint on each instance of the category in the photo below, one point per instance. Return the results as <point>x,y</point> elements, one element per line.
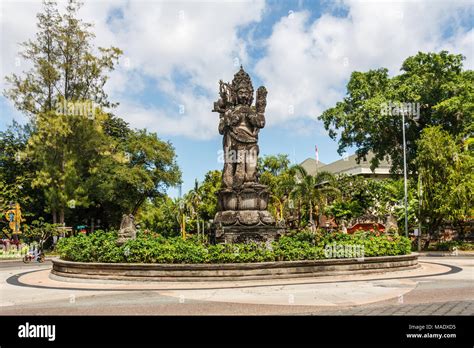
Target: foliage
<point>160,214</point>
<point>295,195</point>
<point>208,194</point>
<point>447,178</point>
<point>344,210</point>
<point>452,245</point>
<point>65,66</point>
<point>74,163</point>
<point>17,173</point>
<point>149,170</point>
<point>377,197</point>
<point>314,191</point>
<point>436,81</point>
<point>149,248</point>
<point>273,164</point>
<point>40,231</point>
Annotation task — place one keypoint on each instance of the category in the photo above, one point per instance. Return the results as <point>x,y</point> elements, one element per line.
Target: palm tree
<point>193,200</point>
<point>282,188</point>
<point>313,190</point>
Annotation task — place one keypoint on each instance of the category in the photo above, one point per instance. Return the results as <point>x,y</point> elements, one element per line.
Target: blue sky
<point>302,51</point>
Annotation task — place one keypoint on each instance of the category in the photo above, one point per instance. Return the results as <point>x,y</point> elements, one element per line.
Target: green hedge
<point>101,247</point>
<point>451,245</point>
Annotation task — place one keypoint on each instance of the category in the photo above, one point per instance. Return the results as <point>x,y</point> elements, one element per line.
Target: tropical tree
<point>65,74</point>
<point>208,194</point>
<point>314,191</point>
<point>161,215</point>
<point>193,199</point>
<point>78,154</point>
<point>446,171</point>
<point>40,232</point>
<point>344,210</point>
<point>368,119</point>
<point>65,67</point>
<point>273,164</point>
<point>199,205</point>
<point>17,172</point>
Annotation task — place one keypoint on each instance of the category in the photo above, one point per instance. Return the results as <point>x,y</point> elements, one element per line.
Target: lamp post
<point>420,193</point>
<point>405,174</point>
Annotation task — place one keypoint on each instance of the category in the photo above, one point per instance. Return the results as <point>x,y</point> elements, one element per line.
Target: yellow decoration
<point>13,216</point>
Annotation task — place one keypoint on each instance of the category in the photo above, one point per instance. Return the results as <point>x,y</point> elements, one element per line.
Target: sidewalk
<point>15,259</point>
<point>458,253</point>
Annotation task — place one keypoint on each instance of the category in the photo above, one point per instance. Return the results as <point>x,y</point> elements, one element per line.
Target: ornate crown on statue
<point>242,80</point>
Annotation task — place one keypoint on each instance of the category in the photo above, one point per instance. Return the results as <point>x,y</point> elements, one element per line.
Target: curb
<point>232,271</point>
<point>16,259</point>
<point>446,254</point>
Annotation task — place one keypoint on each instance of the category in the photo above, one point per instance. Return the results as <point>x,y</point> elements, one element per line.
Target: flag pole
<point>317,157</point>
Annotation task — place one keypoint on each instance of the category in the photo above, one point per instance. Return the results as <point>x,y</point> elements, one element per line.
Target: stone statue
<point>242,201</point>
<point>240,123</point>
<point>127,229</point>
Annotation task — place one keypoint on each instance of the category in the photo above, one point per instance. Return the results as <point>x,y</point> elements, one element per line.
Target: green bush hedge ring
<point>101,246</point>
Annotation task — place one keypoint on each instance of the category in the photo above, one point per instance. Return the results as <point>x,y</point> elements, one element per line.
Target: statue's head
<point>244,96</point>
<point>242,87</point>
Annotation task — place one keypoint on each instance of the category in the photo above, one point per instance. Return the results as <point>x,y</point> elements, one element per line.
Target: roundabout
<point>35,290</point>
<point>232,271</point>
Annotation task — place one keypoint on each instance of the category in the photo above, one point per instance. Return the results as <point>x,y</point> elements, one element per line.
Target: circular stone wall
<point>232,271</point>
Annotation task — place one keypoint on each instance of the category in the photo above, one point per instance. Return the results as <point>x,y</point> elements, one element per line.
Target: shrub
<point>101,246</point>
<point>451,245</point>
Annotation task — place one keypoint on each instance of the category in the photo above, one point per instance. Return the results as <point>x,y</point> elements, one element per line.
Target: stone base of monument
<point>247,234</point>
<point>243,216</point>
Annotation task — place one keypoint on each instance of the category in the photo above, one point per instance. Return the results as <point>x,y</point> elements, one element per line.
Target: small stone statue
<point>127,229</point>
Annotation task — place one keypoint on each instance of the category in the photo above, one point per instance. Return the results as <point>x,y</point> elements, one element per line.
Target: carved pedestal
<point>243,216</point>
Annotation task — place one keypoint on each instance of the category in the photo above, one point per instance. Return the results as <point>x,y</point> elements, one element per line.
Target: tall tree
<point>84,157</point>
<point>65,67</point>
<point>274,164</point>
<point>17,173</point>
<point>208,194</point>
<point>68,150</point>
<point>136,172</point>
<point>447,178</point>
<point>366,119</point>
<point>65,74</point>
<point>314,191</point>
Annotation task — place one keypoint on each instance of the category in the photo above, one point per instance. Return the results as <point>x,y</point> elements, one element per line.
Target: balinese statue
<point>242,201</point>
<point>240,123</point>
<point>127,230</point>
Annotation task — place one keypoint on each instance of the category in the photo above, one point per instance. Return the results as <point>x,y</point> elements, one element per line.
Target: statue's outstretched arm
<point>258,119</point>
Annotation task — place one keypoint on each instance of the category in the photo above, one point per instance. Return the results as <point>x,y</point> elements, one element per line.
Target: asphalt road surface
<point>448,291</point>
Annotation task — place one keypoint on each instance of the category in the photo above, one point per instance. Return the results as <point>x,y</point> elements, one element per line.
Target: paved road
<point>450,292</point>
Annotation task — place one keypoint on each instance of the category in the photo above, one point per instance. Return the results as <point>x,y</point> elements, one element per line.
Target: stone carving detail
<point>127,229</point>
<point>253,237</point>
<point>242,201</point>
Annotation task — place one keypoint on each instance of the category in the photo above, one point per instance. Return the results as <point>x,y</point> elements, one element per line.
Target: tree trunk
<point>299,214</point>
<point>311,221</point>
<point>55,216</point>
<point>61,216</point>
<point>317,216</point>
<point>460,230</point>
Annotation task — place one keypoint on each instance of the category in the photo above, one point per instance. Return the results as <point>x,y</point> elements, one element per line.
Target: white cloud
<point>177,51</point>
<point>308,62</point>
<point>198,41</point>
